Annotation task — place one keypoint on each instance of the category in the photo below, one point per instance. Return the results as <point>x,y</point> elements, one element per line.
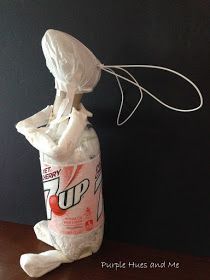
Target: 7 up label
<point>73,196</point>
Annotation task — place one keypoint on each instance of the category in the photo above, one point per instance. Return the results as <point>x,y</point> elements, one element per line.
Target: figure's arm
<point>38,137</point>
<point>37,120</point>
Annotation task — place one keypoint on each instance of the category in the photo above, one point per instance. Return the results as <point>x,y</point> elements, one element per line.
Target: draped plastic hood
<point>73,65</point>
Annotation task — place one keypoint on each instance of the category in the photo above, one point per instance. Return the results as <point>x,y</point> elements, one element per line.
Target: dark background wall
<point>155,167</point>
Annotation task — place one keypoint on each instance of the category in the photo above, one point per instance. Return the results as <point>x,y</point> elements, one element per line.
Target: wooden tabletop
<point>128,261</point>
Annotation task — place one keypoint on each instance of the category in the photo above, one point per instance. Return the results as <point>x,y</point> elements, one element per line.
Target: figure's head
<point>73,65</point>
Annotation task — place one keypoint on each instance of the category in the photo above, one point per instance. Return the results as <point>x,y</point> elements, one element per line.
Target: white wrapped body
<point>62,135</point>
